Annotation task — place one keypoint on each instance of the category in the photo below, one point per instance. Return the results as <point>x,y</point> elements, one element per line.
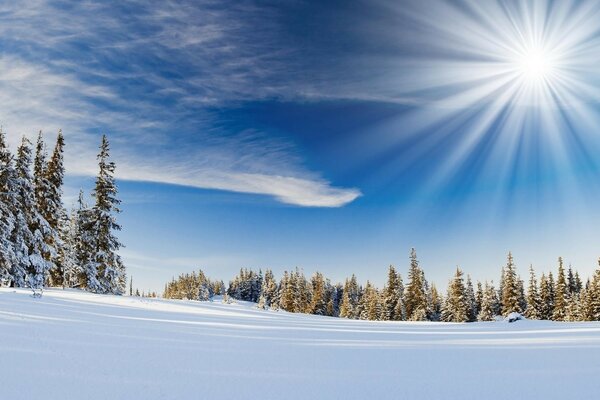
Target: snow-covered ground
<point>70,345</point>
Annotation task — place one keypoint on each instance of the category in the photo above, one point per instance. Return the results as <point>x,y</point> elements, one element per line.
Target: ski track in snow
<point>76,345</point>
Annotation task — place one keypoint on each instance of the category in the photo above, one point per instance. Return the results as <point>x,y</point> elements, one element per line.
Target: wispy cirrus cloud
<point>151,75</point>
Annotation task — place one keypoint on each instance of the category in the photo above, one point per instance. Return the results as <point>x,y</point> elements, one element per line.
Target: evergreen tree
<point>436,304</point>
<point>268,291</point>
<point>415,300</point>
<point>489,303</point>
<point>350,298</point>
<point>11,271</point>
<point>55,213</point>
<point>456,306</point>
<point>370,303</point>
<point>109,267</point>
<point>400,310</point>
<point>82,241</point>
<point>318,305</point>
<point>390,296</point>
<point>478,298</point>
<point>510,289</point>
<point>42,190</point>
<point>560,294</point>
<point>534,301</point>
<point>35,262</point>
<point>471,301</point>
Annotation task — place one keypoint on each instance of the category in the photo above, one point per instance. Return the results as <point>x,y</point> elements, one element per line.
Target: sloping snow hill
<point>74,345</point>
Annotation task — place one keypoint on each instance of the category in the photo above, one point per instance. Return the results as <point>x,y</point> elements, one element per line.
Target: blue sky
<point>325,135</point>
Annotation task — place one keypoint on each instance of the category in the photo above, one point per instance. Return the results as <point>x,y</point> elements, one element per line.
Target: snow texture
<point>74,345</point>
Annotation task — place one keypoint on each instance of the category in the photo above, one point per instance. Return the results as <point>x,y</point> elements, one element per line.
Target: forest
<point>564,297</point>
<point>41,243</point>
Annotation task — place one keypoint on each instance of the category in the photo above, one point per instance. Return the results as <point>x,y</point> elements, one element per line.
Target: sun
<point>534,64</point>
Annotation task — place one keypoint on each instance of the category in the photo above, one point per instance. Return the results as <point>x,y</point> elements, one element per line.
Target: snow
<point>71,344</point>
<point>514,317</point>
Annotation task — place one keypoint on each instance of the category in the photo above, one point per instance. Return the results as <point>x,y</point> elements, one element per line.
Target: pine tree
<point>489,303</point>
<point>436,304</point>
<point>594,295</point>
<point>560,294</point>
<point>109,267</point>
<point>390,296</point>
<point>456,306</point>
<point>415,300</point>
<point>43,200</point>
<point>350,298</point>
<point>9,211</point>
<point>56,214</point>
<point>400,310</point>
<point>471,301</point>
<point>81,240</point>
<point>318,305</point>
<point>268,291</point>
<point>35,262</point>
<point>510,289</point>
<point>478,298</point>
<point>369,304</point>
<point>534,301</point>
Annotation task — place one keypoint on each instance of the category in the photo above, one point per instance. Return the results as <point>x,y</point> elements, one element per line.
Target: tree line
<point>562,298</point>
<point>41,243</point>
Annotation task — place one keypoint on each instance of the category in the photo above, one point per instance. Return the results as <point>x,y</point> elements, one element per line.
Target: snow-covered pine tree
<point>37,265</point>
<point>286,293</point>
<point>400,310</point>
<point>110,269</point>
<point>546,298</point>
<point>44,199</point>
<point>455,308</point>
<point>478,297</point>
<point>594,295</point>
<point>415,299</point>
<point>435,301</point>
<point>370,303</point>
<point>534,301</point>
<point>390,296</point>
<point>56,215</point>
<point>560,294</point>
<point>489,303</point>
<point>318,305</point>
<point>82,240</point>
<point>350,298</point>
<point>8,210</point>
<point>522,296</point>
<point>471,301</point>
<point>510,289</point>
<point>268,291</point>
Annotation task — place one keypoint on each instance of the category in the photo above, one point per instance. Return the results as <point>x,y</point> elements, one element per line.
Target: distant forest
<point>41,244</point>
<point>564,297</point>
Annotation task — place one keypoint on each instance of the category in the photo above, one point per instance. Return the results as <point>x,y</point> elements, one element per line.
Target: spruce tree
<point>318,305</point>
<point>400,310</point>
<point>510,289</point>
<point>534,301</point>
<point>478,297</point>
<point>110,270</point>
<point>9,211</point>
<point>471,301</point>
<point>489,303</point>
<point>456,305</point>
<point>37,228</point>
<point>436,303</point>
<point>560,294</point>
<point>268,292</point>
<point>415,300</point>
<point>55,213</point>
<point>390,296</point>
